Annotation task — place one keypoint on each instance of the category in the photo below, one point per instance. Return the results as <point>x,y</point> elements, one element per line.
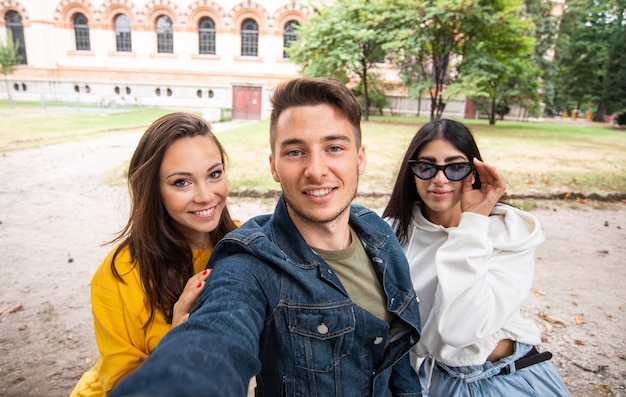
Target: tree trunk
<point>433,106</point>
<point>492,112</point>
<point>440,107</point>
<point>419,103</point>
<point>6,86</point>
<point>598,116</point>
<point>366,93</point>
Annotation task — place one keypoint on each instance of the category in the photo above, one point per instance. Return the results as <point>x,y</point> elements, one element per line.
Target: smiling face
<point>441,197</point>
<point>316,160</point>
<point>193,187</point>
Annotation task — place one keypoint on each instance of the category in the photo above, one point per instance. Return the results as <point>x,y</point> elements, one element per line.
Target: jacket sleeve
<point>118,329</point>
<point>214,353</point>
<point>485,273</point>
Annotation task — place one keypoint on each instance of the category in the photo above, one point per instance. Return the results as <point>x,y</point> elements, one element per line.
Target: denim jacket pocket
<point>321,335</point>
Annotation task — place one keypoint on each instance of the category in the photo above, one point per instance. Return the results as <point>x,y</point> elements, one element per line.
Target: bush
<point>621,118</point>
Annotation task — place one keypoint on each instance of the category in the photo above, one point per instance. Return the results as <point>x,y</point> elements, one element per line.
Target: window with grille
<point>206,32</point>
<point>13,22</point>
<point>249,38</point>
<point>289,35</point>
<point>122,33</point>
<point>165,35</point>
<point>81,31</point>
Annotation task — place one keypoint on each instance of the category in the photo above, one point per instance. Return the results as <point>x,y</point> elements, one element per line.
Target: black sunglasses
<point>454,172</point>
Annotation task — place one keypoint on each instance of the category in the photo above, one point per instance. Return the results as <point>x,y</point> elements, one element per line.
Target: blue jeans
<point>539,380</point>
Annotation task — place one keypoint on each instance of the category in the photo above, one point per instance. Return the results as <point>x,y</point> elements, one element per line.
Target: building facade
<point>222,55</point>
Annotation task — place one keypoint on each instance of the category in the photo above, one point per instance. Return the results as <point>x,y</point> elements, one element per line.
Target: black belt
<point>531,358</point>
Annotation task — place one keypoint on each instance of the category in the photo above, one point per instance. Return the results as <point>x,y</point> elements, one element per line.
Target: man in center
<point>314,299</point>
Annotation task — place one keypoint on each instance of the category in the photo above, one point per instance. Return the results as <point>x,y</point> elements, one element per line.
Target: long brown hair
<point>164,257</point>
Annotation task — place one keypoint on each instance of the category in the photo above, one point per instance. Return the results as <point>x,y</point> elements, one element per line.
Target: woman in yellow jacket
<point>149,281</point>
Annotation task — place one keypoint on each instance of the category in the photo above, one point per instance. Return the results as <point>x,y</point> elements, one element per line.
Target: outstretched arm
<point>215,352</point>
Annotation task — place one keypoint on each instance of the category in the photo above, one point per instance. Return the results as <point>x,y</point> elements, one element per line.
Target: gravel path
<point>56,211</point>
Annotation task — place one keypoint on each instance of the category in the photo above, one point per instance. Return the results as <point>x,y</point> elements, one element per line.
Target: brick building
<point>204,54</point>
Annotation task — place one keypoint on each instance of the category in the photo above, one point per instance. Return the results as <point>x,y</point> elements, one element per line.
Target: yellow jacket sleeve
<point>120,311</point>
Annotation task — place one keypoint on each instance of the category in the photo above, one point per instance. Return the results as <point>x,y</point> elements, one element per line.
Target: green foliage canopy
<point>588,55</point>
<point>342,40</point>
<point>497,68</point>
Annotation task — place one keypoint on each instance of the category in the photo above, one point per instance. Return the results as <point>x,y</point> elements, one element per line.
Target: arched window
<point>289,35</point>
<point>122,33</point>
<point>206,32</point>
<point>165,35</point>
<point>81,31</point>
<point>13,22</point>
<point>249,38</point>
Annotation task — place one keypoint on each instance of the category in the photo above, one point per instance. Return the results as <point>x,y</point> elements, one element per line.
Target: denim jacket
<point>273,308</point>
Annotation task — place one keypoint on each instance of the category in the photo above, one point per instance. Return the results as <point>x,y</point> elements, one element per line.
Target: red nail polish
<point>199,284</point>
<point>205,272</point>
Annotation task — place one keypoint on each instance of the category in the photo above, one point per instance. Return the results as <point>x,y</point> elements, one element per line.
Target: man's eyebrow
<point>291,141</point>
<point>338,137</point>
<point>327,138</point>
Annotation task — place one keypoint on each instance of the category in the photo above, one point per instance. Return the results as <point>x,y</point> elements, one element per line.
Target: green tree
<point>583,54</point>
<point>9,59</point>
<point>428,42</point>
<point>437,42</point>
<point>497,69</point>
<point>499,85</point>
<point>376,92</point>
<point>342,40</point>
<point>614,93</point>
<point>546,31</point>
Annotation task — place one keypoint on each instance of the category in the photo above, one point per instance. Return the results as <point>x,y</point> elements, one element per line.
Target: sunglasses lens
<point>456,172</point>
<point>424,170</point>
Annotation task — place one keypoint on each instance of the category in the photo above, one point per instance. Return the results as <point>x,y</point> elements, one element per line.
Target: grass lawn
<point>537,159</point>
<point>32,125</point>
<point>545,159</point>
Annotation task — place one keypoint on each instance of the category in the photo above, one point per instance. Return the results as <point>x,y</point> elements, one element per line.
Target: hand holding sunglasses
<point>492,187</point>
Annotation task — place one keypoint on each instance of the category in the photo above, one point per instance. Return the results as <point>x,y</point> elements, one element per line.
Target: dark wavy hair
<point>404,195</point>
<point>163,255</point>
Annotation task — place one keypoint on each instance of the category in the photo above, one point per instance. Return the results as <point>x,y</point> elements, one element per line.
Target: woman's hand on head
<point>188,297</point>
<point>492,187</point>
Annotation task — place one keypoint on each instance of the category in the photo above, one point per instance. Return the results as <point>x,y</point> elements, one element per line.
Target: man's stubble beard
<point>293,209</point>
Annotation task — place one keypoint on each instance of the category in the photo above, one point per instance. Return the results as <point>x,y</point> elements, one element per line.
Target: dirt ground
<point>56,211</point>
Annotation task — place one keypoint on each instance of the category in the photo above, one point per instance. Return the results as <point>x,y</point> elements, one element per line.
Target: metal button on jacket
<point>322,329</point>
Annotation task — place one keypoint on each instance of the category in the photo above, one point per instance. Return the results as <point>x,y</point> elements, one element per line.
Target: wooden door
<point>247,103</point>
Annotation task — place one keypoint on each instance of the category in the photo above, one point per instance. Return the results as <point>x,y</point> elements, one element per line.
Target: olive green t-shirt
<point>356,273</point>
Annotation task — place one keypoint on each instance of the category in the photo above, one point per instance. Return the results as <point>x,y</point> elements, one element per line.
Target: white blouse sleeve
<point>485,271</point>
